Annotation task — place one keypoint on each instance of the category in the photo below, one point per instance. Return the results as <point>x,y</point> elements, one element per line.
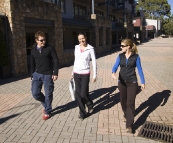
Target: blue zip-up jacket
<point>127,68</point>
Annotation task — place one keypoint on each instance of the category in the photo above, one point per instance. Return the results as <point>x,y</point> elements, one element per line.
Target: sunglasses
<point>42,40</point>
<point>123,46</point>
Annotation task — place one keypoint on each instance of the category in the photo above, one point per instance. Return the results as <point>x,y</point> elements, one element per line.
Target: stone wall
<point>17,11</point>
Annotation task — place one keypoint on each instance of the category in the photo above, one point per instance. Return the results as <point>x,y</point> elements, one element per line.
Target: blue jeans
<point>38,81</point>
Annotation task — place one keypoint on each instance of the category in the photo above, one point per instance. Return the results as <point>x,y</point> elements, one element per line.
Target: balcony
<point>117,25</point>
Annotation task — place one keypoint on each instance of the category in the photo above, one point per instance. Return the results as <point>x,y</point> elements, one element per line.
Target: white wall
<point>156,23</point>
<point>68,9</point>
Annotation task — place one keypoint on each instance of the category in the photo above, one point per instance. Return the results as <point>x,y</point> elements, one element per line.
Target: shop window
<point>79,11</point>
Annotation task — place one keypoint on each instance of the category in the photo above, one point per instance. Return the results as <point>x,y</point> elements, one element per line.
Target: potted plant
<point>5,71</point>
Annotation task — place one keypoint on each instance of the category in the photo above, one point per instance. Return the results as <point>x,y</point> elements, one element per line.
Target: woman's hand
<point>94,80</point>
<point>114,75</point>
<point>72,76</point>
<point>142,86</point>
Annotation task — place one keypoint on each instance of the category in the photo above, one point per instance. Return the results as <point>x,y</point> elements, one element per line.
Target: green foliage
<point>4,60</point>
<point>168,28</point>
<point>156,9</point>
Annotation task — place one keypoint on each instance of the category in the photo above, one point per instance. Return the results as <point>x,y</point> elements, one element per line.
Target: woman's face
<point>82,40</point>
<point>124,47</point>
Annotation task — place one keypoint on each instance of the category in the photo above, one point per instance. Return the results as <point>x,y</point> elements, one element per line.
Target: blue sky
<point>171,3</point>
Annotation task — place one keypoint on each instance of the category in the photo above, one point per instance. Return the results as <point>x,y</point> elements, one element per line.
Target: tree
<point>154,9</point>
<point>168,25</point>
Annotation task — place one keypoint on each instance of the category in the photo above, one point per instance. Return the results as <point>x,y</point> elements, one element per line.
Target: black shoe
<point>90,110</point>
<point>80,118</point>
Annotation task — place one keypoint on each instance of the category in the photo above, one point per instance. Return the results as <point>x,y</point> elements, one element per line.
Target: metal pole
<point>107,8</point>
<point>92,6</point>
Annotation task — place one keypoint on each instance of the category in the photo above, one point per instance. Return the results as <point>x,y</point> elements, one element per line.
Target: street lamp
<point>93,15</point>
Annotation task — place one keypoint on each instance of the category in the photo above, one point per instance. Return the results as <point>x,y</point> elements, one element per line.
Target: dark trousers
<point>38,81</point>
<point>128,93</point>
<point>82,93</point>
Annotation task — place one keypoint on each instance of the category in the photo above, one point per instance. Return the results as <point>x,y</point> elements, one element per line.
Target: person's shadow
<point>106,101</point>
<point>151,104</point>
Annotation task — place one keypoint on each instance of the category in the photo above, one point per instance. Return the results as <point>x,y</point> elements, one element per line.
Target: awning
<point>150,27</point>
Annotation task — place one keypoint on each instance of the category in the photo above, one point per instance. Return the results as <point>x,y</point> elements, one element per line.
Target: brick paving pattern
<point>20,114</point>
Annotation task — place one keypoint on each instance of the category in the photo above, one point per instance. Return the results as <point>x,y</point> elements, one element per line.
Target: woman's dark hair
<point>82,33</point>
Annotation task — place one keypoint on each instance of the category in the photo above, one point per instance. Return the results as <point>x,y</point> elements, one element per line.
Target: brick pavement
<point>20,114</point>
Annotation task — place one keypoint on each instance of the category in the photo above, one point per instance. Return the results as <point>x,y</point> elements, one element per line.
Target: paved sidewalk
<point>20,114</point>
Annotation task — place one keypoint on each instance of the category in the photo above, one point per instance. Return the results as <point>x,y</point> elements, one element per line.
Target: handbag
<point>72,89</point>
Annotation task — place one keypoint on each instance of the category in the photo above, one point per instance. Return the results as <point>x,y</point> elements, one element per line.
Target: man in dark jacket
<point>44,71</point>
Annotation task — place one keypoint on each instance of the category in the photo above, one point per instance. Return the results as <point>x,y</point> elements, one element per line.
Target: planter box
<point>5,72</point>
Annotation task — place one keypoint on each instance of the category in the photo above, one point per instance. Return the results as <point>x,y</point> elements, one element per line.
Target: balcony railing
<point>57,2</point>
<point>117,25</point>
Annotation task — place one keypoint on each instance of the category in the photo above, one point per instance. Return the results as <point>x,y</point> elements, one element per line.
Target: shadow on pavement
<point>151,104</point>
<point>105,102</point>
<point>13,79</point>
<point>4,119</point>
<point>108,100</point>
<point>102,103</point>
<point>63,108</point>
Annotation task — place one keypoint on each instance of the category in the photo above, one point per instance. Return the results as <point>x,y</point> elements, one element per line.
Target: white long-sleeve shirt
<point>82,60</point>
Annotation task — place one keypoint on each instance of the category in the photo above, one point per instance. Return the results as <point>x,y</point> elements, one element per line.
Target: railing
<point>80,18</point>
<point>117,25</point>
<point>52,1</point>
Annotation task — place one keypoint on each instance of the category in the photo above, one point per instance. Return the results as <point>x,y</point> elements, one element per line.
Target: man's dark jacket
<point>44,61</point>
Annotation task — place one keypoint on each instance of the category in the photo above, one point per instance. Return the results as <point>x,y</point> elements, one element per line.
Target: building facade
<point>61,20</point>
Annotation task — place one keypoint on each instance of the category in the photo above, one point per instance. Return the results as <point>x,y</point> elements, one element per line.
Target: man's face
<point>41,41</point>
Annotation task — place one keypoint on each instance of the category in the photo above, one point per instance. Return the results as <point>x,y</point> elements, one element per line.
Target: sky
<point>171,3</point>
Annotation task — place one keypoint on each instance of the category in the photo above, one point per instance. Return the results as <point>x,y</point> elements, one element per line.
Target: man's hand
<point>54,77</point>
<point>114,75</point>
<point>94,80</point>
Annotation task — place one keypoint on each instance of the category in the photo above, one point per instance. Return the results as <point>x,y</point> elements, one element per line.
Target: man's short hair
<point>39,33</point>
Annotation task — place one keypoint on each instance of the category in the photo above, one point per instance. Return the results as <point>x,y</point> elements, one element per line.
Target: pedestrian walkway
<point>21,117</point>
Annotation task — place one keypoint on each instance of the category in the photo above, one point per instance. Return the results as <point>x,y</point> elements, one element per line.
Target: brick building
<point>61,20</point>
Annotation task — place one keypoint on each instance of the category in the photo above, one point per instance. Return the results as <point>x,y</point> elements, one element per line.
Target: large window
<point>61,3</point>
<point>79,10</point>
<point>112,17</point>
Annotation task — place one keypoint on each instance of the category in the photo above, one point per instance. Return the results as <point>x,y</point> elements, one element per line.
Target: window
<point>62,5</point>
<point>112,17</point>
<point>79,11</point>
<point>99,12</point>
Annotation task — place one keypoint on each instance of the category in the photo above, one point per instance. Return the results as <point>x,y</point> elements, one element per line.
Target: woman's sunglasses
<point>124,46</point>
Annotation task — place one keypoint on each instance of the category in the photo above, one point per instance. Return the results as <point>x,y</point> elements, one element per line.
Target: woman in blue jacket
<point>128,60</point>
